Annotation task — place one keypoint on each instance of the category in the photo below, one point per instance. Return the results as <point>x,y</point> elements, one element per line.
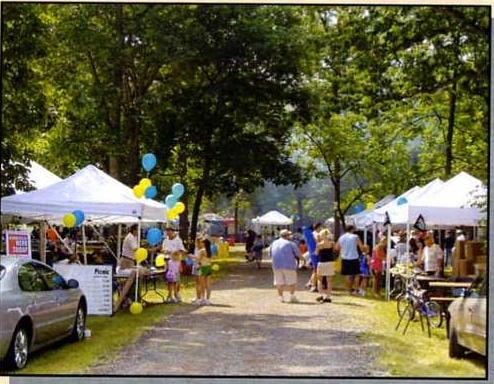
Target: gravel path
<point>249,332</point>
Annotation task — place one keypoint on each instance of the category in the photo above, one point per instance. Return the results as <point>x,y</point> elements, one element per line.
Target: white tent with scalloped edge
<point>272,218</point>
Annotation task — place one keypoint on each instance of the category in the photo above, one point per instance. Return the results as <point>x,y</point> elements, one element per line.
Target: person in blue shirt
<point>284,254</point>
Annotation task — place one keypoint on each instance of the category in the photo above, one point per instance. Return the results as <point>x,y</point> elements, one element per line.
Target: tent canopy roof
<point>273,218</point>
<point>90,190</point>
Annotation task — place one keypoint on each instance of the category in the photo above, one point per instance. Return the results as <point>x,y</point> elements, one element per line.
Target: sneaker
<point>327,300</point>
<point>314,289</point>
<point>196,302</point>
<point>293,299</point>
<point>169,300</point>
<point>362,292</point>
<point>206,302</point>
<point>281,299</point>
<point>320,299</point>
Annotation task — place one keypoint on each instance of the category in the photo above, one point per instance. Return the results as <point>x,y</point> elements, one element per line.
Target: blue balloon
<point>359,207</point>
<point>178,190</point>
<point>170,201</point>
<point>214,249</point>
<point>402,200</point>
<point>148,161</point>
<point>154,236</point>
<point>79,216</point>
<point>189,261</point>
<point>151,192</point>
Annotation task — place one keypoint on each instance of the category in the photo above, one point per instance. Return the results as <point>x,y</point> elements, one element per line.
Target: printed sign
<point>18,243</point>
<point>96,283</point>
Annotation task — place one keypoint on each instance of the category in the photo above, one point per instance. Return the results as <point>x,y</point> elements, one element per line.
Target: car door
<point>476,306</point>
<point>41,305</point>
<point>66,306</point>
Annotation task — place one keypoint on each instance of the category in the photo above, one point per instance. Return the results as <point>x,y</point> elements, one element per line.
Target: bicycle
<point>416,301</point>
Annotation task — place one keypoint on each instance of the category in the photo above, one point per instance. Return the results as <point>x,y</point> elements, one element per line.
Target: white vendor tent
<point>40,177</point>
<point>400,214</point>
<point>272,218</point>
<point>379,214</point>
<point>364,219</point>
<point>90,190</point>
<point>452,204</point>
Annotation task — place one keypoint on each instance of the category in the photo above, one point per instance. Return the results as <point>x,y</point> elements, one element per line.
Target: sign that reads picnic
<point>96,283</point>
<point>18,243</point>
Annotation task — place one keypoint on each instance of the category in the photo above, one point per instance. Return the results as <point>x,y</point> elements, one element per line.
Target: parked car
<point>37,307</point>
<point>467,328</point>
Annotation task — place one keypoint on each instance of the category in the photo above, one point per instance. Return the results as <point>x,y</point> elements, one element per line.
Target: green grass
<point>110,334</point>
<point>413,354</point>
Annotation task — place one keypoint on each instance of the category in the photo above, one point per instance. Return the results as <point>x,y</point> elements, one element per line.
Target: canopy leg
<point>84,243</point>
<point>388,264</point>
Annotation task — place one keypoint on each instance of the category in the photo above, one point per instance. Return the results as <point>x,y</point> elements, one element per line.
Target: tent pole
<point>84,243</point>
<point>139,233</point>
<point>408,244</point>
<point>373,235</point>
<point>388,263</point>
<point>365,235</point>
<point>60,238</point>
<point>42,241</point>
<point>119,241</point>
<point>103,239</point>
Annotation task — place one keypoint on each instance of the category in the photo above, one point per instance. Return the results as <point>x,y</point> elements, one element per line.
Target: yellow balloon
<point>172,214</point>
<point>141,254</point>
<point>138,191</point>
<point>69,220</point>
<point>370,206</point>
<point>160,260</point>
<point>144,183</point>
<point>136,308</point>
<point>215,267</point>
<point>179,207</point>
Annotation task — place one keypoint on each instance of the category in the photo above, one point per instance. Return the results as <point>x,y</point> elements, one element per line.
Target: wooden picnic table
<point>449,284</point>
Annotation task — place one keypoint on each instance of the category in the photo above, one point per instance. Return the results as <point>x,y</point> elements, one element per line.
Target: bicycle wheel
<point>398,287</point>
<point>403,303</point>
<point>434,312</point>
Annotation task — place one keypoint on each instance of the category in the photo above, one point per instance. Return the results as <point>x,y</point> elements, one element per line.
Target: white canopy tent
<point>364,219</point>
<point>90,190</point>
<point>452,204</point>
<point>102,198</point>
<point>39,177</point>
<point>272,218</point>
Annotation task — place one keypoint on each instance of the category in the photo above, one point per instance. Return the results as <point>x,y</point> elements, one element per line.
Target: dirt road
<point>249,332</point>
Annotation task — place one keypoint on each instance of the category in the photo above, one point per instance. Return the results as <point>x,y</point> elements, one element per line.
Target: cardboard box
<point>465,268</point>
<point>460,249</point>
<point>472,249</point>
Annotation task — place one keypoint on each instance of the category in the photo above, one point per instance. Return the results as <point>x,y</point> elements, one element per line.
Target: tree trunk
<point>197,203</point>
<point>235,216</point>
<point>451,127</point>
<point>113,167</point>
<point>184,216</point>
<point>133,164</point>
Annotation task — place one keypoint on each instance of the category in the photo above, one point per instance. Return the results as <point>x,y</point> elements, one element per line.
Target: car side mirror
<point>72,284</point>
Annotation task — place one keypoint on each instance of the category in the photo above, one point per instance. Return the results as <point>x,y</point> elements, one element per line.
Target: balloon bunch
<point>174,206</point>
<point>73,219</point>
<point>145,186</point>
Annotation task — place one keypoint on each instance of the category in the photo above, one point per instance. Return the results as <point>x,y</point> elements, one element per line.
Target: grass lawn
<point>413,354</point>
<point>109,334</point>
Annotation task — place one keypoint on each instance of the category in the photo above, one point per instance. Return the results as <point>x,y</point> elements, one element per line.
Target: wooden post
<point>42,241</point>
<point>388,264</point>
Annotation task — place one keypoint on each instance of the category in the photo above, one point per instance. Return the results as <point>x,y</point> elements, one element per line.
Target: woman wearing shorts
<point>325,267</point>
<point>204,264</point>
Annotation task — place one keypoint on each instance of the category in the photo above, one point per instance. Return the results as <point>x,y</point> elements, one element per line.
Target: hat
<point>285,232</point>
<point>169,228</point>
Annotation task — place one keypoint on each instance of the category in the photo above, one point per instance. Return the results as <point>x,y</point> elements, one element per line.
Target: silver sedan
<point>37,307</point>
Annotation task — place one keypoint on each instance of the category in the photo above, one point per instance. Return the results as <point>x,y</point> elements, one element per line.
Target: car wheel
<point>79,324</point>
<point>455,349</point>
<point>19,349</point>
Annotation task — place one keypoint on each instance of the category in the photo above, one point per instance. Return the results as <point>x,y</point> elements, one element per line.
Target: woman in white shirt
<point>432,256</point>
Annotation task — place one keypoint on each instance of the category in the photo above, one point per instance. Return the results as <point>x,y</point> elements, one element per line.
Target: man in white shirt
<point>127,263</point>
<point>173,244</point>
<point>432,256</point>
<point>348,245</point>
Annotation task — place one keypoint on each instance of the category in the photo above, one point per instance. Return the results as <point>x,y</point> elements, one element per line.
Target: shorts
<point>258,255</point>
<point>325,268</point>
<point>285,276</point>
<point>205,270</point>
<point>172,277</point>
<point>350,267</point>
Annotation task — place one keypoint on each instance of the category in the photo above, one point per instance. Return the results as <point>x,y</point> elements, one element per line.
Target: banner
<point>96,283</point>
<point>18,243</point>
<point>420,224</point>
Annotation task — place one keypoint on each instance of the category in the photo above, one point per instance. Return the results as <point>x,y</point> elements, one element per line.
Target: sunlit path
<point>248,332</point>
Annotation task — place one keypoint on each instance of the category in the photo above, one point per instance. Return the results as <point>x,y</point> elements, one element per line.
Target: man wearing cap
<point>173,244</point>
<point>284,254</point>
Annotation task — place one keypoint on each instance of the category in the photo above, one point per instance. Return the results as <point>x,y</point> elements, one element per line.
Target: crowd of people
<point>360,265</point>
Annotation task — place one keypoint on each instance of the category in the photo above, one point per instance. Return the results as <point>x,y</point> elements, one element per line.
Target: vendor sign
<point>96,283</point>
<point>18,243</point>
